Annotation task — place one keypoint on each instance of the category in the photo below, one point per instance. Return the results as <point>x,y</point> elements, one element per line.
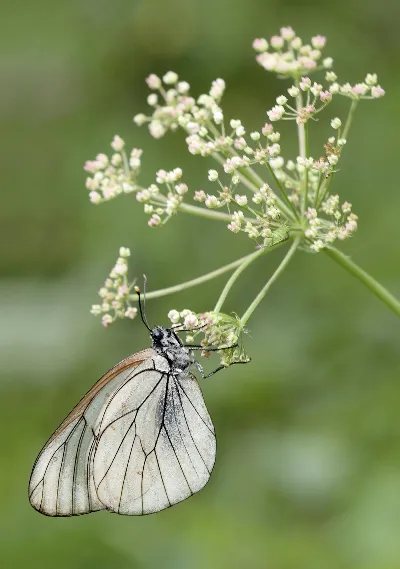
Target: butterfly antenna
<point>142,307</point>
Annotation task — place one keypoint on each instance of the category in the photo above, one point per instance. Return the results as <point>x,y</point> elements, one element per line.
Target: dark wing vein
<point>190,433</point>
<point>179,430</point>
<point>52,456</point>
<point>78,450</point>
<point>59,476</point>
<point>117,451</point>
<point>126,470</point>
<point>129,378</point>
<point>190,401</point>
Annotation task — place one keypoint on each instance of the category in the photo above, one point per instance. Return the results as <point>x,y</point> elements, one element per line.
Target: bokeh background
<point>308,465</point>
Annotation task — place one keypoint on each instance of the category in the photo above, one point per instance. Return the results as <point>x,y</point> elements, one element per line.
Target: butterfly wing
<point>159,449</point>
<point>139,441</point>
<point>61,482</point>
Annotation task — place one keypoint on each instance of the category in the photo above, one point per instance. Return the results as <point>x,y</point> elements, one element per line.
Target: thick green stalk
<point>373,285</point>
<point>194,282</point>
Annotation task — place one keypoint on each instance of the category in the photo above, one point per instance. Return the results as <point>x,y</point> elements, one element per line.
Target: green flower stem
<point>209,213</point>
<point>349,119</point>
<point>375,287</point>
<point>326,184</point>
<point>306,172</point>
<point>198,280</point>
<point>267,286</point>
<point>202,211</point>
<point>292,210</point>
<point>246,262</point>
<point>300,127</point>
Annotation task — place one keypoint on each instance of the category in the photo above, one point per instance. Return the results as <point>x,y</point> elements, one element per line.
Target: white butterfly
<point>139,441</point>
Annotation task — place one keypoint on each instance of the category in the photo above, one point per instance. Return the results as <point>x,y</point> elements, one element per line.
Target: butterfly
<point>139,441</point>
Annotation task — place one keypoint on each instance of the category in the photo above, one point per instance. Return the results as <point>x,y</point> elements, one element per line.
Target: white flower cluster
<point>286,54</point>
<point>322,232</point>
<point>218,330</point>
<point>115,294</point>
<point>266,214</point>
<point>161,207</point>
<point>174,107</point>
<point>115,175</point>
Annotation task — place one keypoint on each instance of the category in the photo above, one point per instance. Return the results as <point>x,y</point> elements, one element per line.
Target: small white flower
<point>281,100</point>
<point>371,79</point>
<point>96,310</point>
<point>191,321</point>
<point>235,123</point>
<point>106,320</point>
<point>296,43</point>
<point>330,76</point>
<point>185,312</point>
<point>130,312</point>
<point>287,33</point>
<point>183,87</point>
<point>217,89</point>
<point>152,100</point>
<point>276,113</point>
<point>140,119</point>
<point>200,196</point>
<point>212,202</point>
<point>174,316</point>
<point>212,175</point>
<point>117,143</point>
<point>260,44</point>
<point>181,189</point>
<point>153,81</point>
<point>154,221</point>
<point>241,200</point>
<point>377,91</point>
<point>95,197</point>
<point>274,150</point>
<point>333,159</point>
<point>157,129</point>
<point>170,78</point>
<point>336,123</point>
<point>327,62</point>
<point>277,42</point>
<point>293,91</point>
<point>218,116</point>
<point>124,252</point>
<point>255,135</point>
<point>277,163</point>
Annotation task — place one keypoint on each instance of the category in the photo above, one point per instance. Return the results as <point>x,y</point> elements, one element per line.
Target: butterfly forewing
<point>139,441</point>
<point>61,482</point>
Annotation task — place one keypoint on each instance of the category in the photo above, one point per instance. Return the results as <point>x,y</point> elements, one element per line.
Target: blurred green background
<point>308,464</point>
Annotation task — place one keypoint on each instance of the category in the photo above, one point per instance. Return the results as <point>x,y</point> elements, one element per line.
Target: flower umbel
<point>254,188</point>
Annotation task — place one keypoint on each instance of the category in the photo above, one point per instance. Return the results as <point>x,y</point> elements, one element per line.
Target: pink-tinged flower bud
<point>117,143</point>
<point>377,92</point>
<point>191,321</point>
<point>153,81</point>
<point>277,42</point>
<point>260,44</point>
<point>318,42</point>
<point>95,197</point>
<point>154,221</point>
<point>287,33</point>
